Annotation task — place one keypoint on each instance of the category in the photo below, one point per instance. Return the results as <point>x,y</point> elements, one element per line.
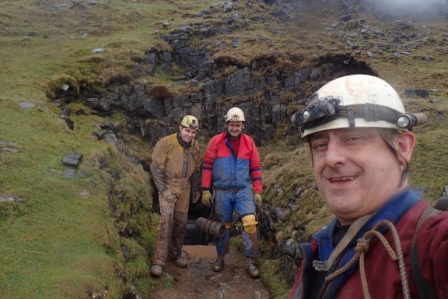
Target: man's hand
<point>207,199</point>
<point>196,196</point>
<point>169,195</point>
<point>258,200</point>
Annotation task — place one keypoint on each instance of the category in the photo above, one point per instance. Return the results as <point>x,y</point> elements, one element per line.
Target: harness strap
<point>424,289</point>
<point>180,180</point>
<point>348,237</point>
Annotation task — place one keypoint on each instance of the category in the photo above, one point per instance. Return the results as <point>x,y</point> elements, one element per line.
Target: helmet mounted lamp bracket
<point>324,108</point>
<point>329,109</point>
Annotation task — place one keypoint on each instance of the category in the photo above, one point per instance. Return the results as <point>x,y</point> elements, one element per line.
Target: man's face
<point>234,128</point>
<point>356,171</point>
<point>187,134</point>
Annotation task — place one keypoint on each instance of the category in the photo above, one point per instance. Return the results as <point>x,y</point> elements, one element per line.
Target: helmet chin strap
<point>404,175</point>
<point>404,168</point>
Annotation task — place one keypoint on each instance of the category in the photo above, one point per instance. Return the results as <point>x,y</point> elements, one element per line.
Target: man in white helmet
<point>175,166</point>
<point>232,163</point>
<point>361,143</point>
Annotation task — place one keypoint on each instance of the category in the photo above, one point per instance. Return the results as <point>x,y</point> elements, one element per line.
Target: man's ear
<point>406,143</point>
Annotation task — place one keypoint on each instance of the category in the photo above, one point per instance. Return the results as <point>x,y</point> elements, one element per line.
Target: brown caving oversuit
<point>172,167</point>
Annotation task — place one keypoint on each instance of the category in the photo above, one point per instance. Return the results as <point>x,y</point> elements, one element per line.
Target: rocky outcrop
<point>264,99</point>
<point>268,99</point>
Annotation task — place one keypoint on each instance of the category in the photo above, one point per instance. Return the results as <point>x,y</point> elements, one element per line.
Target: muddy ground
<point>199,281</point>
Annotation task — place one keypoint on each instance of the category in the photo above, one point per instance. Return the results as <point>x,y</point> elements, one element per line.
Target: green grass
<point>270,274</point>
<point>53,242</point>
<point>59,243</point>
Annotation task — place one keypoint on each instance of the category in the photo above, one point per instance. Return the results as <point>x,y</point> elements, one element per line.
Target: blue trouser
<point>240,201</point>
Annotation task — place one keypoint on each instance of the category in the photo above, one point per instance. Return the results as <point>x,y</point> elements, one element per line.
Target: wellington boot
<point>181,262</point>
<point>156,270</point>
<point>251,268</point>
<point>219,264</point>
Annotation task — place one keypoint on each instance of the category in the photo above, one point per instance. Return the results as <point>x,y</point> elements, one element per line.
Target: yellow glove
<point>169,195</point>
<point>207,199</point>
<point>258,200</point>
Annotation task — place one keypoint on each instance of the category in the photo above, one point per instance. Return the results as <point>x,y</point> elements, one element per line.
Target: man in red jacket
<point>361,143</point>
<point>232,162</point>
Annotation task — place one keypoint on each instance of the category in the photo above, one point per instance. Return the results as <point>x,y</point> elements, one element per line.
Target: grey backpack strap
<point>424,289</point>
<point>354,228</point>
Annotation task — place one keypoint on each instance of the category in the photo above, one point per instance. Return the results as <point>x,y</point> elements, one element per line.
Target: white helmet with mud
<point>355,101</point>
<point>235,114</point>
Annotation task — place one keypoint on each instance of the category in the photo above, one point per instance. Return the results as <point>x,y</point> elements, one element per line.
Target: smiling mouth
<point>343,179</point>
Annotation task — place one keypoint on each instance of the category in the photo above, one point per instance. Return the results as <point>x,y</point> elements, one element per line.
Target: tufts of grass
<point>114,75</point>
<point>270,272</point>
<point>271,160</point>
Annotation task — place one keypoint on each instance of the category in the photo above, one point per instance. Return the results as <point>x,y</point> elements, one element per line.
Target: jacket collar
<point>392,211</point>
<point>183,143</point>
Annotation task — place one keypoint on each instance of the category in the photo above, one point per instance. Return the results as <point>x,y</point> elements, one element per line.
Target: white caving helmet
<point>235,114</point>
<point>355,101</point>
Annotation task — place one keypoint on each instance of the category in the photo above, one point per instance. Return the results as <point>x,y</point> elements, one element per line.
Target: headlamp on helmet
<point>324,108</point>
<point>407,121</point>
<point>235,117</point>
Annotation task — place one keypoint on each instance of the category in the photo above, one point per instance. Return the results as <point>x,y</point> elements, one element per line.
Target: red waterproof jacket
<point>382,273</point>
<point>232,167</point>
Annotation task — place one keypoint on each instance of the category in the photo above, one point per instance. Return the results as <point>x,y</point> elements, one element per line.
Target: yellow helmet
<point>355,101</point>
<point>235,114</point>
<point>189,121</point>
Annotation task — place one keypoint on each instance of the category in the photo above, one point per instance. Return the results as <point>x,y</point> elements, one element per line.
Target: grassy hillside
<point>62,240</point>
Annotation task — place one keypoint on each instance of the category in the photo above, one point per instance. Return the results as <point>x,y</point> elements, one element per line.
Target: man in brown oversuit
<point>175,166</point>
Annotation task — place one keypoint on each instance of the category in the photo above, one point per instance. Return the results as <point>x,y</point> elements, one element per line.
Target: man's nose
<point>335,154</point>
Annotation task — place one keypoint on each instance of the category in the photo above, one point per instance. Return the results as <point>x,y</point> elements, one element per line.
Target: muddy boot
<point>181,262</point>
<point>219,264</point>
<point>251,268</point>
<point>156,270</point>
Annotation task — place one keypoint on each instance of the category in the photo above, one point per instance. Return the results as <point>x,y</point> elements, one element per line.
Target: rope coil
<point>362,247</point>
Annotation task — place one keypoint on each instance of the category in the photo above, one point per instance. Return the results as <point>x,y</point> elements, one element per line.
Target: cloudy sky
<point>411,5</point>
